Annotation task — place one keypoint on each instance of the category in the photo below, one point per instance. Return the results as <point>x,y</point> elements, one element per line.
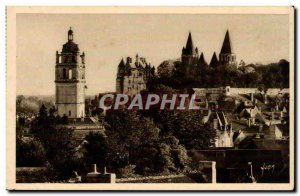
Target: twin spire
<point>226,49</point>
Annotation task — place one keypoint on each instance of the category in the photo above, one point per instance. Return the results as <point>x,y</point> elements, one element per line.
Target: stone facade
<point>70,80</point>
<point>132,76</point>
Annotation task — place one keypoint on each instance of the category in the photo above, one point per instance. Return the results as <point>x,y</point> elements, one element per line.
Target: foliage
<point>127,130</point>
<point>274,75</point>
<point>96,149</point>
<point>30,153</point>
<point>186,126</point>
<point>135,140</point>
<point>57,140</point>
<point>31,104</point>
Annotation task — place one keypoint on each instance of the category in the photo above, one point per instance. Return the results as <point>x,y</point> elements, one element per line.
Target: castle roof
<point>121,64</point>
<point>202,61</point>
<point>226,47</point>
<point>141,62</point>
<point>214,61</point>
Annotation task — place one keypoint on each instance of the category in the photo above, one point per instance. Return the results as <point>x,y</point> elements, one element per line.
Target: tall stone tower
<point>226,56</point>
<point>189,56</point>
<point>70,80</point>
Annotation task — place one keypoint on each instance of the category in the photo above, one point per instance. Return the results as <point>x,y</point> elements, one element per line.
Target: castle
<point>132,77</point>
<point>190,56</point>
<point>70,80</point>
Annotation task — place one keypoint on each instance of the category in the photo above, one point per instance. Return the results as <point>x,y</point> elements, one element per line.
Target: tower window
<point>69,112</point>
<point>64,73</point>
<point>70,73</point>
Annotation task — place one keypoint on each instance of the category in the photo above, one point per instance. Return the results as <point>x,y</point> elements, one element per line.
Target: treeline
<point>134,144</point>
<point>32,104</point>
<point>274,75</point>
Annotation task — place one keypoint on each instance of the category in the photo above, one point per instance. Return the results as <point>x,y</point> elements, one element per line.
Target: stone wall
<point>237,91</point>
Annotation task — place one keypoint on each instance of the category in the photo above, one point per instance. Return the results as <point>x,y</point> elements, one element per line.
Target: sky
<point>107,38</point>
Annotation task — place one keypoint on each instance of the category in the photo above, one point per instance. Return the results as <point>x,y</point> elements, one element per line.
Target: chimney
<point>281,114</point>
<point>251,96</point>
<point>137,59</point>
<point>249,122</point>
<point>272,116</point>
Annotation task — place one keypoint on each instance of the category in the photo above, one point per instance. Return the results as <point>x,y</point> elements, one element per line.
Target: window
<point>70,73</point>
<point>64,73</point>
<point>69,112</point>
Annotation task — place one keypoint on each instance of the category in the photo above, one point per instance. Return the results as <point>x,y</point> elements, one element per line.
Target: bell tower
<point>70,80</point>
<point>226,56</point>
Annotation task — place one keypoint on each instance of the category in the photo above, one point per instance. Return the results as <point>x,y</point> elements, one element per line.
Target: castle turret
<point>120,76</point>
<point>226,56</point>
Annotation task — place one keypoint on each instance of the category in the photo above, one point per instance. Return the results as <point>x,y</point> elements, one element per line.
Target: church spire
<point>226,47</point>
<point>214,61</point>
<point>189,48</point>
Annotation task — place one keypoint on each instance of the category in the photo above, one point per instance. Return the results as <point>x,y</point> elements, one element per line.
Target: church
<point>191,59</point>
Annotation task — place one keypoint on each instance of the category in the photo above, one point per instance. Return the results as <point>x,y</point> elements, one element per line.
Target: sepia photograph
<point>150,98</point>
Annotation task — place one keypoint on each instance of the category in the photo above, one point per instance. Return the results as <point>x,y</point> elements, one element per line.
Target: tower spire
<point>226,47</point>
<point>214,61</point>
<point>189,48</point>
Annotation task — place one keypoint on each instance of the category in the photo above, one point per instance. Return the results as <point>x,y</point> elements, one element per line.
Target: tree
<point>58,142</point>
<point>166,69</point>
<point>30,153</point>
<point>96,149</point>
<point>126,131</point>
<point>187,127</point>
